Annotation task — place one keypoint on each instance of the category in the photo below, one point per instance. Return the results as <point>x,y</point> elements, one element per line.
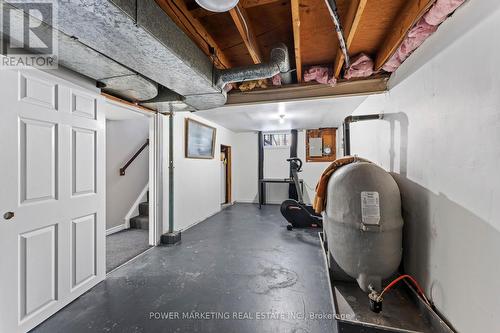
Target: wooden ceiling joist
<point>295,6</point>
<point>244,26</point>
<point>199,12</point>
<point>410,14</point>
<point>311,91</point>
<point>184,19</point>
<point>254,3</point>
<point>350,23</point>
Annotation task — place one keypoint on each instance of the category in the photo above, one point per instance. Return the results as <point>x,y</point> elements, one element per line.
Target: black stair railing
<point>122,170</point>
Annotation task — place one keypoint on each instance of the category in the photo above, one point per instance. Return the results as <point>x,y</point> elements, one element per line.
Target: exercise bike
<point>296,212</point>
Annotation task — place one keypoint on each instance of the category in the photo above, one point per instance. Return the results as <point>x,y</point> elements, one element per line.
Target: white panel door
<point>52,199</point>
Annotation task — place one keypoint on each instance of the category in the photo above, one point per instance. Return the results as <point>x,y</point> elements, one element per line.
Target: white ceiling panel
<point>298,114</point>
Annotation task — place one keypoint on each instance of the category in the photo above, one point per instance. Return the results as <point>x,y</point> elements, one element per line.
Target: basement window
<point>277,140</point>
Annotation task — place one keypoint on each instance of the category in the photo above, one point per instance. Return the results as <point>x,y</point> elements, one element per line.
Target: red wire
<point>415,283</point>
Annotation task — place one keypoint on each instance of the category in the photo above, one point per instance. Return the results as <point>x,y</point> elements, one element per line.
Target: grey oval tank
<point>363,224</point>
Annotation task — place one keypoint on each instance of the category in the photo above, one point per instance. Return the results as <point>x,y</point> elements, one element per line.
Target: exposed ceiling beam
<point>309,91</point>
<point>199,12</point>
<point>295,5</point>
<point>409,15</point>
<point>178,12</point>
<point>351,23</point>
<point>244,26</point>
<point>254,3</point>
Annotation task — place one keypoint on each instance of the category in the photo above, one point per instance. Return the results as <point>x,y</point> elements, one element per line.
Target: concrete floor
<point>241,262</point>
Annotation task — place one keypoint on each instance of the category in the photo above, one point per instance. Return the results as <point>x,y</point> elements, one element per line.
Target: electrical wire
<point>244,22</point>
<point>332,7</point>
<point>415,283</point>
<point>240,14</point>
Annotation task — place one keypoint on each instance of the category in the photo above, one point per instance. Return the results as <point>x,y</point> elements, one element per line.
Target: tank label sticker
<point>370,208</point>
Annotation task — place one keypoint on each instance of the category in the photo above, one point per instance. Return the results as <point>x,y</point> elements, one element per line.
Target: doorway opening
<point>225,158</point>
<point>128,165</point>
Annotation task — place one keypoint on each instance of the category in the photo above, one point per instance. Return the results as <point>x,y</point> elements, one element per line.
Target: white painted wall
<point>441,139</point>
<point>123,139</point>
<point>196,181</point>
<point>245,167</point>
<point>275,166</point>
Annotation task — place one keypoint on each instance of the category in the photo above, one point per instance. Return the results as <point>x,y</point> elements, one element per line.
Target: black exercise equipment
<point>296,212</point>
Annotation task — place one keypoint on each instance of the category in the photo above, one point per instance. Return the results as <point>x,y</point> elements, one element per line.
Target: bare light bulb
<point>218,6</point>
<point>282,118</point>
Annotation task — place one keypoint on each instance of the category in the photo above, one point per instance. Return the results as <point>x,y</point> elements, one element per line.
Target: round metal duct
<point>130,87</point>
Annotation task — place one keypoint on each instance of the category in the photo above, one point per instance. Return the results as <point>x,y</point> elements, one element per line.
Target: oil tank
<point>363,224</point>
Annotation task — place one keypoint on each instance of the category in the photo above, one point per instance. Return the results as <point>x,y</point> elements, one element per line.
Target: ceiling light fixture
<point>282,118</point>
<point>218,6</point>
<point>281,108</point>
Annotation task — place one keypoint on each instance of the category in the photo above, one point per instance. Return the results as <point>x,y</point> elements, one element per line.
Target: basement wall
<point>123,139</point>
<point>275,166</point>
<point>441,140</point>
<point>197,182</point>
<point>245,167</point>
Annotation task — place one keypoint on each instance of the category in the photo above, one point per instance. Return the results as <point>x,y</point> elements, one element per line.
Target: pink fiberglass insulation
<point>319,74</point>
<point>417,35</point>
<point>228,87</point>
<point>424,28</point>
<point>441,10</point>
<point>362,66</point>
<point>276,80</point>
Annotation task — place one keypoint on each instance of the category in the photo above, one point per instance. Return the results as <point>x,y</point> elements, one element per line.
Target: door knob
<point>8,215</point>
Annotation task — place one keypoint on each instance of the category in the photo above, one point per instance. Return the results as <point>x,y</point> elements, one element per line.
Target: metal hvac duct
<point>140,41</point>
<point>167,100</point>
<point>133,87</point>
<point>114,77</point>
<point>279,63</point>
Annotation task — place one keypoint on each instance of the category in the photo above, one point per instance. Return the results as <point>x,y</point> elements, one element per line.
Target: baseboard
<point>202,220</point>
<point>247,201</point>
<point>113,230</point>
<point>273,202</point>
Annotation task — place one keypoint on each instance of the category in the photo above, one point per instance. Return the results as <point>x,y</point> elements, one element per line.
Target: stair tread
<point>140,217</point>
<point>139,222</point>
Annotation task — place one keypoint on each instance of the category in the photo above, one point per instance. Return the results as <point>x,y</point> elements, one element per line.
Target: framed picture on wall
<point>199,140</point>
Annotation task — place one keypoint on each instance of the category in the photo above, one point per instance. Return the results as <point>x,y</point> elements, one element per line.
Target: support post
<point>171,172</point>
<point>172,236</point>
<point>292,188</point>
<point>262,192</point>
